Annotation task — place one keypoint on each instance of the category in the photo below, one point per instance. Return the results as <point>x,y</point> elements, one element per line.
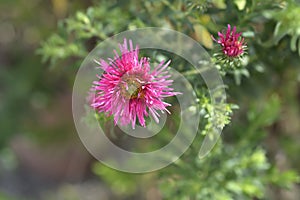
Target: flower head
<point>231,42</point>
<point>128,90</point>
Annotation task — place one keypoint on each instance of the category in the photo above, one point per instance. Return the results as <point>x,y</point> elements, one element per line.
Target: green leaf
<point>294,43</point>
<point>82,17</point>
<point>284,179</point>
<point>203,36</point>
<point>240,4</point>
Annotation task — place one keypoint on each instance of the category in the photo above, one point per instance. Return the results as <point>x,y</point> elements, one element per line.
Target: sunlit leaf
<point>203,36</point>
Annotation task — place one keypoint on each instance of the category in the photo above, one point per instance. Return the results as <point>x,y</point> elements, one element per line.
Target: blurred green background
<point>40,152</point>
<point>41,156</point>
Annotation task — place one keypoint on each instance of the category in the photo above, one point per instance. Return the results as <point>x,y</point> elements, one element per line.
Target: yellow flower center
<point>131,87</point>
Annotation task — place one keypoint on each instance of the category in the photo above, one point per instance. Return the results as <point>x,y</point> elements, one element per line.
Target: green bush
<point>262,88</point>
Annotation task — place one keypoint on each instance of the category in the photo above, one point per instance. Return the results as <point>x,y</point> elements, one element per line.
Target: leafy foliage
<point>287,23</point>
<point>240,166</point>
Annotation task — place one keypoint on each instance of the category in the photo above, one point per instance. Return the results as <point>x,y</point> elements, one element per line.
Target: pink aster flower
<point>231,42</point>
<point>128,90</point>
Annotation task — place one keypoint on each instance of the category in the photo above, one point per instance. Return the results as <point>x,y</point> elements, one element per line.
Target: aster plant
<point>129,90</point>
<point>232,48</point>
<point>243,165</point>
